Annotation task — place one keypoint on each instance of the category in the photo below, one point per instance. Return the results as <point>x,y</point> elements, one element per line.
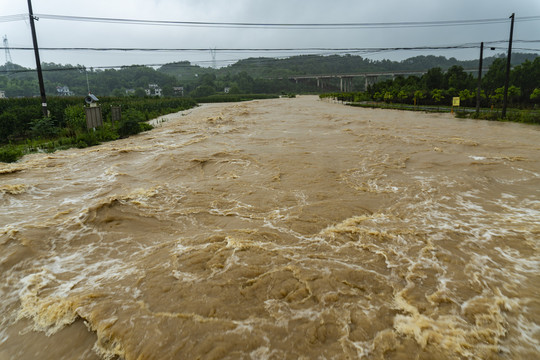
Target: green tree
<point>535,96</point>
<point>437,95</point>
<point>139,92</point>
<point>234,89</point>
<point>466,96</point>
<point>377,96</point>
<point>402,95</point>
<point>434,79</point>
<point>495,76</point>
<point>119,92</point>
<point>514,94</point>
<point>202,91</point>
<point>419,95</point>
<point>457,78</point>
<point>497,97</point>
<point>526,76</point>
<point>208,80</point>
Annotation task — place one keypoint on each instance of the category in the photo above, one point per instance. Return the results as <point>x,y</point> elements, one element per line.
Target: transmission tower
<point>213,53</point>
<point>9,61</point>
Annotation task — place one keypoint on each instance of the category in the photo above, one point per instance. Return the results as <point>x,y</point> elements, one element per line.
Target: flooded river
<point>277,229</point>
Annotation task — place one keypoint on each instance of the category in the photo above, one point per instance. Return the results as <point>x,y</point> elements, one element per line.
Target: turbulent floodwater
<point>277,229</point>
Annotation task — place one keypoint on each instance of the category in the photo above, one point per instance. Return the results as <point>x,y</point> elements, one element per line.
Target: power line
<point>407,24</point>
<point>259,61</point>
<point>255,62</point>
<point>16,17</point>
<point>245,49</point>
<point>297,49</point>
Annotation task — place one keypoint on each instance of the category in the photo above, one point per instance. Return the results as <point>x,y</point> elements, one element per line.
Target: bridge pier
<point>370,80</point>
<point>345,83</point>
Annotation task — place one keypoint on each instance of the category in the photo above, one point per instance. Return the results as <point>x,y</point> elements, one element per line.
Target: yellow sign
<point>455,101</point>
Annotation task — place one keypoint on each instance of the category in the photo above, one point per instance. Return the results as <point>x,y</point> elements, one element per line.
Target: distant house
<point>130,91</point>
<point>63,91</point>
<point>3,94</point>
<point>178,90</point>
<point>153,90</point>
<point>227,90</point>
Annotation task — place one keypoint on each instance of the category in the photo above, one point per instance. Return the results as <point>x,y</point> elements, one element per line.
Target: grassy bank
<point>23,130</point>
<point>513,115</point>
<point>529,116</point>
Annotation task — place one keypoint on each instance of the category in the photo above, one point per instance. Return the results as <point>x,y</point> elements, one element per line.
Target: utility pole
<point>38,61</point>
<point>506,83</point>
<point>478,90</point>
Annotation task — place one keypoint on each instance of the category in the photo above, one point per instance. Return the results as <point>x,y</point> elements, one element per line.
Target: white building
<point>178,90</point>
<point>153,90</point>
<point>3,94</point>
<point>63,91</point>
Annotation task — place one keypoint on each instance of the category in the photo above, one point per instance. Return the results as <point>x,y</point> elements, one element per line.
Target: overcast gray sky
<point>62,33</point>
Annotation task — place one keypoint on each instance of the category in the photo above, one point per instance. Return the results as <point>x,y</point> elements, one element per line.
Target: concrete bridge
<point>345,80</point>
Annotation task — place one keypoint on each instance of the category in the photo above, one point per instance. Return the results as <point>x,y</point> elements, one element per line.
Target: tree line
<point>254,75</point>
<point>438,87</point>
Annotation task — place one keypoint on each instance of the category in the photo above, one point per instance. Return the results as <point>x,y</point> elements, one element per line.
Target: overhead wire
<point>15,17</point>
<point>403,24</point>
<point>292,49</point>
<point>315,50</point>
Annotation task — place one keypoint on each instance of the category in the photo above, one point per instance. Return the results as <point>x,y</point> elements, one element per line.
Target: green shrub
<point>87,139</point>
<point>145,126</point>
<point>129,127</point>
<point>43,128</point>
<point>10,153</point>
<point>133,122</point>
<point>106,133</point>
<point>7,125</point>
<point>75,118</point>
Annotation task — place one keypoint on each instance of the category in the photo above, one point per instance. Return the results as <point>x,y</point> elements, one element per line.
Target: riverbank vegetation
<point>24,130</point>
<point>435,90</point>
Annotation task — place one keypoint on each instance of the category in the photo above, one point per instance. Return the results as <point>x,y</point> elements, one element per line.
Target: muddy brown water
<point>277,229</point>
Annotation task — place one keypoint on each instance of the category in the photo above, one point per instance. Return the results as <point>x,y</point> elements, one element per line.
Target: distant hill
<point>263,67</point>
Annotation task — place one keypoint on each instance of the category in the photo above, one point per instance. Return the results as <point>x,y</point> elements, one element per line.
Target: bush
<point>106,133</point>
<point>75,118</point>
<point>10,153</point>
<point>202,91</point>
<point>129,127</point>
<point>87,139</point>
<point>145,126</point>
<point>7,125</point>
<point>43,128</point>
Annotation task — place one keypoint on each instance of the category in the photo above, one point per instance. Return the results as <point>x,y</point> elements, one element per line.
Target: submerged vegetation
<point>23,130</point>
